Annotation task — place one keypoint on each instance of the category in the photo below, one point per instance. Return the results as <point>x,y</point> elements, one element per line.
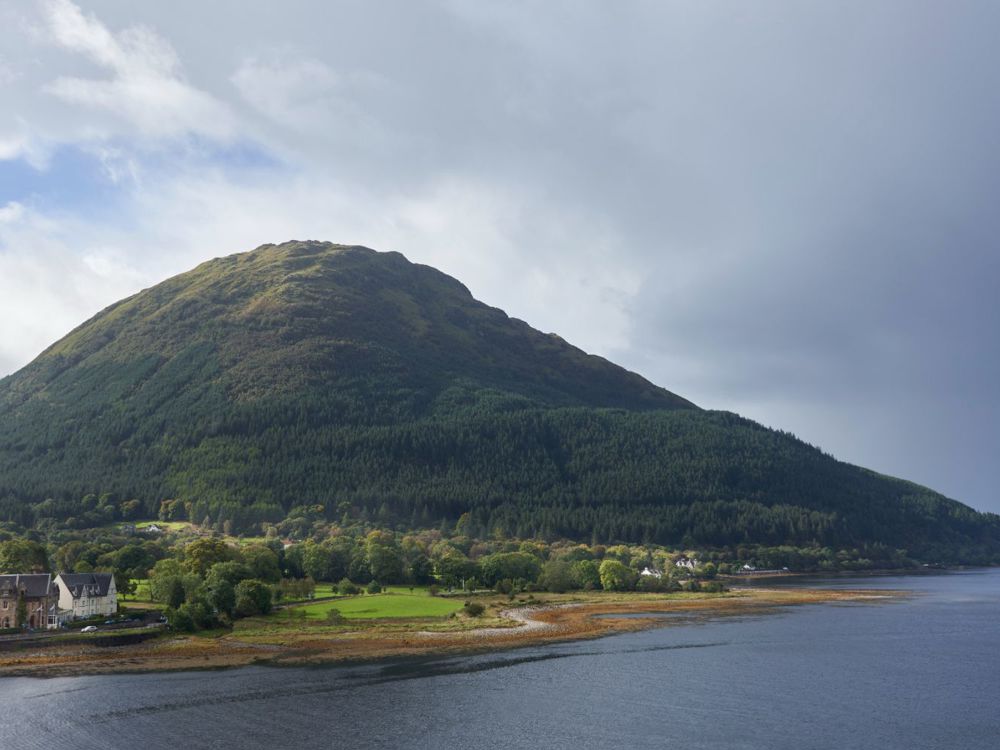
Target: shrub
<point>374,588</point>
<point>473,609</point>
<point>347,588</point>
<point>334,617</point>
<point>180,620</point>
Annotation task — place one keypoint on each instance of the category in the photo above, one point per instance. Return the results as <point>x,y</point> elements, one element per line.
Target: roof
<point>91,584</point>
<point>35,585</point>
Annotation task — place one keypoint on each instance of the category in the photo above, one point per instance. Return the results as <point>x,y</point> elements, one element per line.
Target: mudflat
<point>286,639</point>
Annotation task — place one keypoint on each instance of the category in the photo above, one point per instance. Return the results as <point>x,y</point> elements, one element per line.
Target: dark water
<point>921,673</point>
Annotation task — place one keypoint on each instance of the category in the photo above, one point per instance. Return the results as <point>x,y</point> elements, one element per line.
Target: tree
<point>21,613</point>
<point>222,597</point>
<point>67,555</point>
<point>175,593</point>
<point>231,572</point>
<point>615,576</point>
<point>253,597</point>
<point>557,576</point>
<point>125,583</point>
<point>453,567</point>
<point>421,569</point>
<point>385,560</point>
<point>514,565</point>
<point>262,562</point>
<point>162,580</point>
<point>587,574</point>
<point>202,554</point>
<point>133,559</point>
<point>23,556</point>
<point>323,562</point>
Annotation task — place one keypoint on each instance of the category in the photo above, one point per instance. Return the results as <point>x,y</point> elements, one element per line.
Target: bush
<point>347,588</point>
<point>656,585</point>
<point>180,620</point>
<point>334,617</point>
<point>374,588</point>
<point>473,609</point>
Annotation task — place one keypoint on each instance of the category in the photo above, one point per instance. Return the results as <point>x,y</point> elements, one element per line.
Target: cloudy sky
<point>784,209</point>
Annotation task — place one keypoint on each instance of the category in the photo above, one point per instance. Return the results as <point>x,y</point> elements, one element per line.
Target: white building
<point>87,594</point>
<point>689,563</point>
<point>647,571</point>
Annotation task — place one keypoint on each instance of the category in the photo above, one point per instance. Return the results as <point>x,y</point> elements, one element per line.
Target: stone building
<point>29,600</point>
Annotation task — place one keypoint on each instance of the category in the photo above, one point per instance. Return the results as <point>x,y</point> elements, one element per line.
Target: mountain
<point>309,374</point>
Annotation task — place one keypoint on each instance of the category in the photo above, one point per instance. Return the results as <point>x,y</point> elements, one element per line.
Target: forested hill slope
<point>315,374</point>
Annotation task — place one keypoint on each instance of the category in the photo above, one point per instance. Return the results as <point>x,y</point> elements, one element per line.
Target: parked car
<point>89,629</point>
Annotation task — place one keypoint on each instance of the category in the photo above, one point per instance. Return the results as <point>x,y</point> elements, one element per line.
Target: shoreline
<point>552,619</point>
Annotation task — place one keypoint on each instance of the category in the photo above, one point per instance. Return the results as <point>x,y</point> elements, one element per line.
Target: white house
<point>87,594</point>
<point>647,571</point>
<point>689,563</point>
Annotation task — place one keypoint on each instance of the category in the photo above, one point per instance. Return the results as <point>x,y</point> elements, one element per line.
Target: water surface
<point>918,673</point>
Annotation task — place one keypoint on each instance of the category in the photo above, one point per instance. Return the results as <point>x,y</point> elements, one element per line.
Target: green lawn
<point>369,607</point>
<point>323,590</point>
<point>141,591</point>
<point>396,602</point>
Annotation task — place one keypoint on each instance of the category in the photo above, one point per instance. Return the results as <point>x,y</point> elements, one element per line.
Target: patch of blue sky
<point>73,180</point>
<point>78,180</point>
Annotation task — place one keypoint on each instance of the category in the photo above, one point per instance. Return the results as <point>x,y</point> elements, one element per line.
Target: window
<point>5,604</point>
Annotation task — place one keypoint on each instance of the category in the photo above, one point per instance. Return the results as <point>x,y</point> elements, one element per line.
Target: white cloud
<point>145,88</point>
<point>48,286</point>
<point>19,145</point>
<point>296,92</point>
<point>11,213</point>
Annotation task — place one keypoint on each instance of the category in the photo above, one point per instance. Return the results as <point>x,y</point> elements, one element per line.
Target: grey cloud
<point>782,208</point>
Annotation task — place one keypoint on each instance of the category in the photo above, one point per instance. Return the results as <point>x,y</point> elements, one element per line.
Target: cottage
<point>689,563</point>
<point>87,594</point>
<point>29,600</point>
<point>647,571</point>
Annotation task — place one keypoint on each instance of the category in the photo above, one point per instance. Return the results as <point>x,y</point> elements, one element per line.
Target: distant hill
<point>309,373</point>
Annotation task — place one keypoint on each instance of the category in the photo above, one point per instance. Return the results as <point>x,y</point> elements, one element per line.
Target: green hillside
<point>316,374</point>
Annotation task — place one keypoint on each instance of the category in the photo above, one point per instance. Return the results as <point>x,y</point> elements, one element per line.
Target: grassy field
<point>141,599</point>
<point>323,590</point>
<point>399,602</point>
